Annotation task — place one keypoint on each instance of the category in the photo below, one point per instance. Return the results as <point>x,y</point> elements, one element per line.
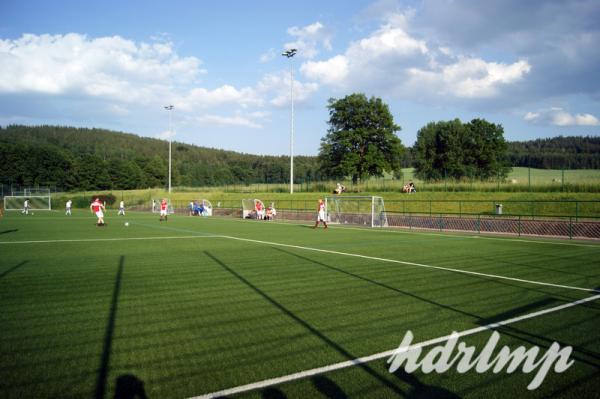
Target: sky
<point>532,66</point>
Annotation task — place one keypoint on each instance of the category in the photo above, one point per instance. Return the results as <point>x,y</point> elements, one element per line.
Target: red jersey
<point>96,206</point>
<point>163,205</point>
<point>258,206</point>
<point>321,206</point>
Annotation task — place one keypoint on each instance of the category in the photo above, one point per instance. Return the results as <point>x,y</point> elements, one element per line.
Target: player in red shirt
<point>320,215</point>
<point>163,210</point>
<point>97,208</point>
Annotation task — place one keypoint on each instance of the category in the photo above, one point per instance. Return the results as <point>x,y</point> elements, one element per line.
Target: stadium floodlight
<point>289,54</point>
<point>170,109</point>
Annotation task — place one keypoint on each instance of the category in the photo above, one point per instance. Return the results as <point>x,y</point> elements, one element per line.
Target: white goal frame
<point>359,210</point>
<point>36,202</point>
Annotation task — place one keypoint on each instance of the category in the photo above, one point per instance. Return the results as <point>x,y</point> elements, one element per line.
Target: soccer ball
<point>126,224</point>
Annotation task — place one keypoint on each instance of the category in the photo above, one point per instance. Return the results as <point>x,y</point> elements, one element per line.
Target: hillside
<point>89,159</point>
<point>96,159</point>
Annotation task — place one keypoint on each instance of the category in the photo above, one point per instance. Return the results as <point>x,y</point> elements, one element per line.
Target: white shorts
<point>321,217</point>
<point>100,214</point>
<point>163,212</point>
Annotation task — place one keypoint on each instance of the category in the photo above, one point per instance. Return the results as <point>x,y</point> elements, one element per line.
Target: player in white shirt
<point>122,208</point>
<point>320,215</point>
<point>68,207</point>
<point>25,207</point>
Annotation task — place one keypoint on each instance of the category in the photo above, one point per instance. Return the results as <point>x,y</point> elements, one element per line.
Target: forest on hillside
<point>92,159</point>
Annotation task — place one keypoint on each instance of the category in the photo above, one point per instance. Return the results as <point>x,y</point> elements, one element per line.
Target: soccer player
<point>26,207</point>
<point>163,210</point>
<point>320,214</point>
<point>68,207</point>
<point>97,207</point>
<point>121,209</point>
<point>259,210</point>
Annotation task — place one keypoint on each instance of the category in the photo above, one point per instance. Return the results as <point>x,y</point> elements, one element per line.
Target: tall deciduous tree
<point>361,139</point>
<point>452,149</point>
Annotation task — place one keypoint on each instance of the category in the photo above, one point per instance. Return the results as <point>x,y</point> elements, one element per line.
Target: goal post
<point>35,202</point>
<point>357,210</point>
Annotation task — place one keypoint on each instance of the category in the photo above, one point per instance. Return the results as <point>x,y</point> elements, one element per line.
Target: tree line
<point>95,159</point>
<point>360,143</point>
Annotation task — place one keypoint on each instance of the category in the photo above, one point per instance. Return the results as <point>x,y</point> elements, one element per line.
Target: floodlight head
<point>289,53</point>
<point>169,107</point>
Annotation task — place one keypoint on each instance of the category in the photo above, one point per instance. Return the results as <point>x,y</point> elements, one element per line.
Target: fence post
<point>562,180</point>
<point>429,208</point>
<point>519,226</point>
<point>577,211</point>
<point>478,224</point>
<point>460,209</point>
<point>570,228</point>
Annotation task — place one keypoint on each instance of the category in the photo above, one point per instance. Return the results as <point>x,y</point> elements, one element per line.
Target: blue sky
<point>531,66</point>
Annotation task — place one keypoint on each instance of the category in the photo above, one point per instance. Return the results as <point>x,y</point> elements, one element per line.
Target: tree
<point>361,139</point>
<point>456,150</point>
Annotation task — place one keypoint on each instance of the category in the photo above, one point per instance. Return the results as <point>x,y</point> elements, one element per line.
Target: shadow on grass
<point>130,387</point>
<point>9,231</point>
<point>509,314</point>
<point>12,269</point>
<point>273,393</point>
<point>422,391</point>
<point>108,335</point>
<point>383,380</point>
<point>377,283</point>
<point>328,388</point>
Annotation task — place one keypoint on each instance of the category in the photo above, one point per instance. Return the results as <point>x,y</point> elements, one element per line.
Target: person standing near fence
<point>320,214</point>
<point>68,206</point>
<point>121,208</point>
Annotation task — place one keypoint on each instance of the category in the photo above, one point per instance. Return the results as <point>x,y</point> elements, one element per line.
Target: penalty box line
<point>387,260</point>
<point>386,354</point>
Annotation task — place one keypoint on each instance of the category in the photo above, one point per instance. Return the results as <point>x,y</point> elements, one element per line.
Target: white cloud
<point>559,117</point>
<point>309,39</point>
<point>225,121</point>
<point>268,56</point>
<point>334,71</point>
<point>166,135</point>
<point>392,61</point>
<point>108,67</point>
<point>277,87</point>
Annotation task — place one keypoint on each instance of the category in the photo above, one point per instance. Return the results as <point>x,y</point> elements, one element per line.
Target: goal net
<point>366,211</point>
<point>155,204</point>
<point>35,202</point>
<point>252,209</point>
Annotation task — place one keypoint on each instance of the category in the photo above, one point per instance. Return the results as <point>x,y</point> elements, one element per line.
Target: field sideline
<point>199,305</point>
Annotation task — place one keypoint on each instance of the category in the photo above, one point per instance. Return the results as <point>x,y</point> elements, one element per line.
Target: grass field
<point>199,305</point>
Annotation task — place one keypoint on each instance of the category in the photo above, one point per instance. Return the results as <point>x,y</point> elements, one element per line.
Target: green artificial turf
<point>196,305</point>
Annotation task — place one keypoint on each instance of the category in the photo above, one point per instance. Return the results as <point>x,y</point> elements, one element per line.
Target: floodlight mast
<point>170,109</point>
<point>289,54</point>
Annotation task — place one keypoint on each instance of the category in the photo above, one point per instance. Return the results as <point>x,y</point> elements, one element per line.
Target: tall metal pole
<point>289,54</point>
<point>170,109</point>
<point>292,130</point>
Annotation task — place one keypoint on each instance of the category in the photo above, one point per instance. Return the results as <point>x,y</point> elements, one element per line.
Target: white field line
<point>386,260</point>
<point>108,239</point>
<point>381,355</point>
<point>496,276</point>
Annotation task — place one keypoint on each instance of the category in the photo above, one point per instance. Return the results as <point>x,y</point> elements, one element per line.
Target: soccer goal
<point>156,206</point>
<point>251,209</point>
<point>35,202</point>
<point>365,211</point>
